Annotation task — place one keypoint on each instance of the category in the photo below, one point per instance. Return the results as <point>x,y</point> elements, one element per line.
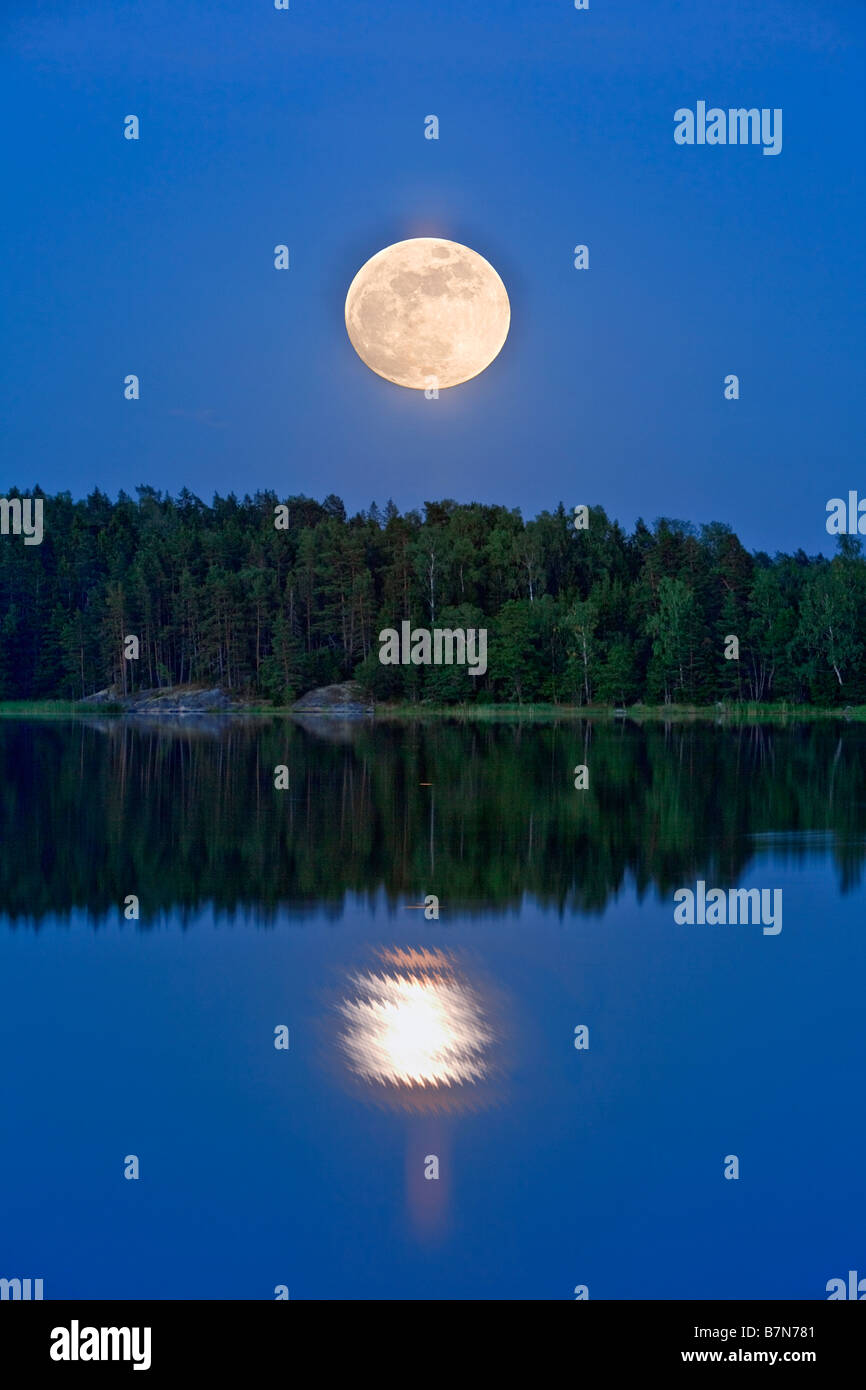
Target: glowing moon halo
<point>427,313</point>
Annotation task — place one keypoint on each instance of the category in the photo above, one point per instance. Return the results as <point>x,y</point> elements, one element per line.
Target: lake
<point>540,1091</point>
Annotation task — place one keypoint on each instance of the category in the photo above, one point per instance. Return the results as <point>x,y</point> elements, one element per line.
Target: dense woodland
<point>218,595</point>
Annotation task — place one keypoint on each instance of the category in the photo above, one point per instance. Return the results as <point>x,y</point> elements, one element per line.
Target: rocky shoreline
<point>165,701</point>
<point>345,701</point>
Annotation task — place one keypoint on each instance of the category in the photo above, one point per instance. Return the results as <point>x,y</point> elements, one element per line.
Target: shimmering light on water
<point>418,1023</point>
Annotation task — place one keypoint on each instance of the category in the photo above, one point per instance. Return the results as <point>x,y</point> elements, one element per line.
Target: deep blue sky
<point>306,127</point>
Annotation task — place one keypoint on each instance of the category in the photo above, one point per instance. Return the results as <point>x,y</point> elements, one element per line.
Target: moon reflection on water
<point>416,1032</point>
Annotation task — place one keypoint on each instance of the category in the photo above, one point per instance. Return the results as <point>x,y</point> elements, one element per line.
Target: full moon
<point>427,313</point>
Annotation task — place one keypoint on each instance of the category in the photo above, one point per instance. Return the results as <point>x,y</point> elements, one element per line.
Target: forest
<point>269,597</point>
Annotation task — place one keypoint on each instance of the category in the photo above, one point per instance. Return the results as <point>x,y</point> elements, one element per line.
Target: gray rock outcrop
<point>346,701</point>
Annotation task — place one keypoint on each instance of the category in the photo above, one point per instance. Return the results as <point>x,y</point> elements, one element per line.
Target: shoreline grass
<point>722,713</point>
<point>745,713</point>
<point>48,709</point>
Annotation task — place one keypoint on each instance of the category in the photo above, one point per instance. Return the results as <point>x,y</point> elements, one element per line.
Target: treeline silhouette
<point>187,818</point>
<point>216,594</point>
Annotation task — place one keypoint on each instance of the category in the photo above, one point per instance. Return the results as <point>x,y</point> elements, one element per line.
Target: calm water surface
<point>414,1039</point>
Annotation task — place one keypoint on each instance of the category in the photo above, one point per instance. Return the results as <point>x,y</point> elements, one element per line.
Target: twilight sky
<point>306,127</point>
